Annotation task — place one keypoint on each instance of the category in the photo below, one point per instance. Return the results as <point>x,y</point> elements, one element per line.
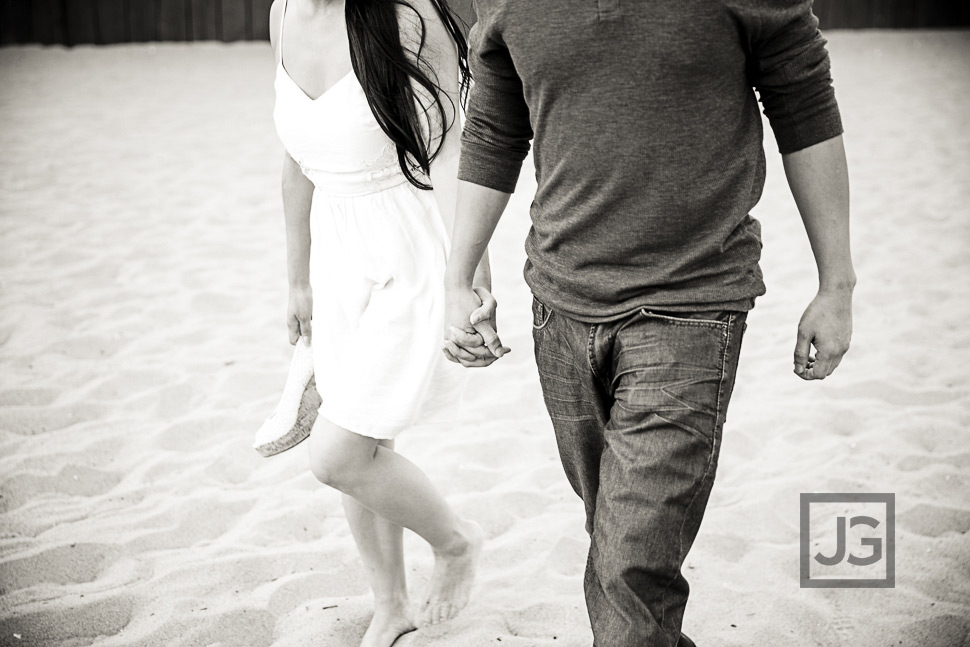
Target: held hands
<point>827,325</point>
<point>470,336</point>
<point>298,311</point>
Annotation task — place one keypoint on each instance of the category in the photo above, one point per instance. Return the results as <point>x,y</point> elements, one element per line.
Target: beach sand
<point>142,295</point>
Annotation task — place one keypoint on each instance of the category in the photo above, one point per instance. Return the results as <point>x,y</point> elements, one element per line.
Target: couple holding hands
<point>642,256</point>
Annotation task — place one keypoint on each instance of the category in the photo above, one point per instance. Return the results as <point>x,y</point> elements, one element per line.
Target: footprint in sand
<point>251,627</point>
<point>891,394</point>
<point>27,397</point>
<point>934,521</point>
<point>345,581</point>
<point>568,557</point>
<point>30,421</point>
<point>913,463</point>
<point>77,624</point>
<point>75,480</point>
<point>192,435</point>
<point>91,347</point>
<point>66,564</point>
<point>941,631</point>
<point>126,384</point>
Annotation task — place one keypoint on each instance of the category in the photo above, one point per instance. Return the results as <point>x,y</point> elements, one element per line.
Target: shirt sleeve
<point>789,66</point>
<point>497,131</point>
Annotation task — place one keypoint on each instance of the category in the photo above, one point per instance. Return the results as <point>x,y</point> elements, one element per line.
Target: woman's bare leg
<point>381,546</point>
<point>392,487</point>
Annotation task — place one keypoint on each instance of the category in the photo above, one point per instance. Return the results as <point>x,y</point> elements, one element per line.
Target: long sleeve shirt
<point>647,138</point>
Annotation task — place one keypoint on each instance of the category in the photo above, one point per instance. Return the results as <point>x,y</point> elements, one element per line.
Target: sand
<point>142,293</point>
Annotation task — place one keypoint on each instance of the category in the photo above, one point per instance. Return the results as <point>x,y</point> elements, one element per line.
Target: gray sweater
<point>648,140</point>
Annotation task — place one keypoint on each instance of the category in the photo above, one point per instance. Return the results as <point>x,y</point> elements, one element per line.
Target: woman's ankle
<point>392,604</point>
<point>461,539</point>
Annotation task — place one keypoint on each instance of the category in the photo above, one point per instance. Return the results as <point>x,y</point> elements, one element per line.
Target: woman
<point>367,95</point>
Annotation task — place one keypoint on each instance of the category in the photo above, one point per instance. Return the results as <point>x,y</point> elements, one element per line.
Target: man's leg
<point>672,377</point>
<point>578,407</point>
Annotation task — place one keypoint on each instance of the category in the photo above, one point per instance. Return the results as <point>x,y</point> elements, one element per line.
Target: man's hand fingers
<point>487,310</point>
<point>293,325</point>
<point>491,338</point>
<point>825,364</point>
<point>803,346</point>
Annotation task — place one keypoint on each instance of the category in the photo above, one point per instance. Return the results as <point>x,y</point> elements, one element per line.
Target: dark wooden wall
<point>72,22</point>
<point>892,14</point>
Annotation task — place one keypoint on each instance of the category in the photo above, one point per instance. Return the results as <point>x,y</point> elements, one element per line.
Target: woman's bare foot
<point>387,625</point>
<point>454,572</point>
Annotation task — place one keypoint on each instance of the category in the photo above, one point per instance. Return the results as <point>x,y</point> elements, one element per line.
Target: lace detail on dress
<point>387,157</point>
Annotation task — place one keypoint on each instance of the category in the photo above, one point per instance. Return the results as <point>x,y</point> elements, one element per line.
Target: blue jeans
<point>638,405</point>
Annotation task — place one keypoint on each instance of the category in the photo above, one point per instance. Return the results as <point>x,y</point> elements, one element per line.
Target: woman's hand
<point>298,313</point>
<point>470,335</point>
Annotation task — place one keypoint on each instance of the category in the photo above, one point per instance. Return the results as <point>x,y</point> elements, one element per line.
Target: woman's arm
<point>439,56</point>
<point>297,194</point>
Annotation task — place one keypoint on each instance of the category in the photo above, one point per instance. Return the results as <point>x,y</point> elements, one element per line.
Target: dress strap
<point>279,40</point>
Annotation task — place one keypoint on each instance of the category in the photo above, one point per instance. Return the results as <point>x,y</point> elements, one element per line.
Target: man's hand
<point>827,325</point>
<point>470,335</point>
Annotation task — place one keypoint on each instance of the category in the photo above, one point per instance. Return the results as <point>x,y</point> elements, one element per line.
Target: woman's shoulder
<point>421,27</point>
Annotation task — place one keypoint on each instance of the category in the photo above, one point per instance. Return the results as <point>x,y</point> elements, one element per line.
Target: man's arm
<point>819,182</point>
<point>479,210</point>
<point>790,67</point>
<point>493,144</point>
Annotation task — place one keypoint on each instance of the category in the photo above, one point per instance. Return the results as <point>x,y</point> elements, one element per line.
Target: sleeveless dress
<point>377,261</point>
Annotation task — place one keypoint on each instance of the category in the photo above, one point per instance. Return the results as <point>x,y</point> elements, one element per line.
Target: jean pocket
<point>713,319</point>
<point>540,314</point>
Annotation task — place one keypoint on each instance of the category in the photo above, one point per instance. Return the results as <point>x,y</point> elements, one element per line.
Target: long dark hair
<point>385,71</point>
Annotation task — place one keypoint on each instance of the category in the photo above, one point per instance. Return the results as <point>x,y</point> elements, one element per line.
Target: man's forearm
<point>478,211</point>
<point>819,181</point>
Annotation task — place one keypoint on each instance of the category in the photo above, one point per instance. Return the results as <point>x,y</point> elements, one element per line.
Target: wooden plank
<point>204,20</point>
<point>856,13</point>
<point>821,10</point>
<point>233,20</point>
<point>7,30</point>
<point>170,20</point>
<point>880,14</point>
<point>112,21</point>
<point>949,14</point>
<point>15,22</point>
<point>141,21</point>
<point>80,22</point>
<point>47,22</point>
<point>830,13</point>
<point>904,14</point>
<point>260,13</point>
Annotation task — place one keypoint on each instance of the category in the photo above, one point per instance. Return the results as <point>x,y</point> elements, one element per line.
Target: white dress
<point>377,261</point>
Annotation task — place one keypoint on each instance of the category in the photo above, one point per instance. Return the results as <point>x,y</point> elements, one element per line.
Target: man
<point>643,257</point>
